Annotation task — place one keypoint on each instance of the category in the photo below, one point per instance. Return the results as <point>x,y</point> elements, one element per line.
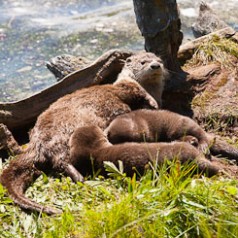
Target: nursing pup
<point>90,146</point>
<point>161,125</point>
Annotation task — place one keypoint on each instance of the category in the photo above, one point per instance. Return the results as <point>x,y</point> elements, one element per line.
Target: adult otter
<point>89,143</point>
<point>137,67</point>
<point>48,149</point>
<point>161,125</point>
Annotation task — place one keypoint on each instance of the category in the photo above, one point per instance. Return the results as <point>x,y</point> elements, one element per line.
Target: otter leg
<point>220,147</point>
<point>65,165</point>
<point>8,142</point>
<point>58,164</point>
<point>205,165</point>
<point>73,173</point>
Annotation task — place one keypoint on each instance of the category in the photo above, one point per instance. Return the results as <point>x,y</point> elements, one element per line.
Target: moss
<point>205,97</point>
<point>221,50</point>
<point>201,100</point>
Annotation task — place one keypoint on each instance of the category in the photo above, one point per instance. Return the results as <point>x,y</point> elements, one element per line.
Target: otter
<point>161,125</point>
<point>49,149</point>
<point>139,65</point>
<point>90,143</point>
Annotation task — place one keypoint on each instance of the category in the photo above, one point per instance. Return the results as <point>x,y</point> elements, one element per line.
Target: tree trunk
<point>159,23</point>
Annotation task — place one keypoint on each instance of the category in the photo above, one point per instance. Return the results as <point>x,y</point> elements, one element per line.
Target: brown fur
<point>151,126</point>
<point>147,69</point>
<point>49,148</point>
<point>89,143</point>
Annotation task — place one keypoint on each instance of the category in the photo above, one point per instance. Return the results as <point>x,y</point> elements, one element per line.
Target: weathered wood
<point>63,65</point>
<point>22,113</point>
<point>187,50</point>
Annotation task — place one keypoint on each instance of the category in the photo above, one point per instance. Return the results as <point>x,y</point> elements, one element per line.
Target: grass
<point>215,49</point>
<point>158,204</point>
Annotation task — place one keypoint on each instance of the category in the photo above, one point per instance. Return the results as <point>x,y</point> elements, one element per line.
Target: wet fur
<point>135,156</point>
<point>161,125</point>
<point>49,149</point>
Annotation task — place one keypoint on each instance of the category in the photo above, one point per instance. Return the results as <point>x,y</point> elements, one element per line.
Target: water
<point>32,32</point>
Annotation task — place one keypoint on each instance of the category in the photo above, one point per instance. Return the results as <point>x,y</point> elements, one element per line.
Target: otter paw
<point>204,148</point>
<point>153,104</point>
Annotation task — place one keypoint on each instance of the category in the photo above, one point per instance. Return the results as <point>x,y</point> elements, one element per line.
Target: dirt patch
<point>228,168</point>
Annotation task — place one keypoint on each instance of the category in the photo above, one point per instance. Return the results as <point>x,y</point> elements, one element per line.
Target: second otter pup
<point>89,143</point>
<point>161,125</point>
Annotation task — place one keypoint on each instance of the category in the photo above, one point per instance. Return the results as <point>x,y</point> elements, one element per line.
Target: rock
<point>207,21</point>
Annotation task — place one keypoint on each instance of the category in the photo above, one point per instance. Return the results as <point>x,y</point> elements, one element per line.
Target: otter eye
<point>143,62</point>
<point>128,60</point>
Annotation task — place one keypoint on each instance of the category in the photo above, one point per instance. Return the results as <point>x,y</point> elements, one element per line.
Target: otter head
<point>87,139</point>
<point>148,70</point>
<point>145,67</point>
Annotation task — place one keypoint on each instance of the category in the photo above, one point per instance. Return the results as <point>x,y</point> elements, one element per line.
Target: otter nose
<point>155,65</point>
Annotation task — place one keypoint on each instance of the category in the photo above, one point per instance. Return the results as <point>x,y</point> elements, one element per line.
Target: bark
<point>159,23</point>
<point>63,65</point>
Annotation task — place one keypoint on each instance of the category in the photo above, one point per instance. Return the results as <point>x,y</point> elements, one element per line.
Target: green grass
<point>159,204</point>
<point>215,49</point>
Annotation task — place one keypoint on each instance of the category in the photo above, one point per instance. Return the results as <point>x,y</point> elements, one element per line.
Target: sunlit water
<point>32,32</point>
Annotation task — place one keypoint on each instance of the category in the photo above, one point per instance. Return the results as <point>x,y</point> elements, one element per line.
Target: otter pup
<point>49,149</point>
<point>89,143</point>
<point>161,125</point>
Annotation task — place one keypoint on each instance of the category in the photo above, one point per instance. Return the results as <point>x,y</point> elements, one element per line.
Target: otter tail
<point>16,178</point>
